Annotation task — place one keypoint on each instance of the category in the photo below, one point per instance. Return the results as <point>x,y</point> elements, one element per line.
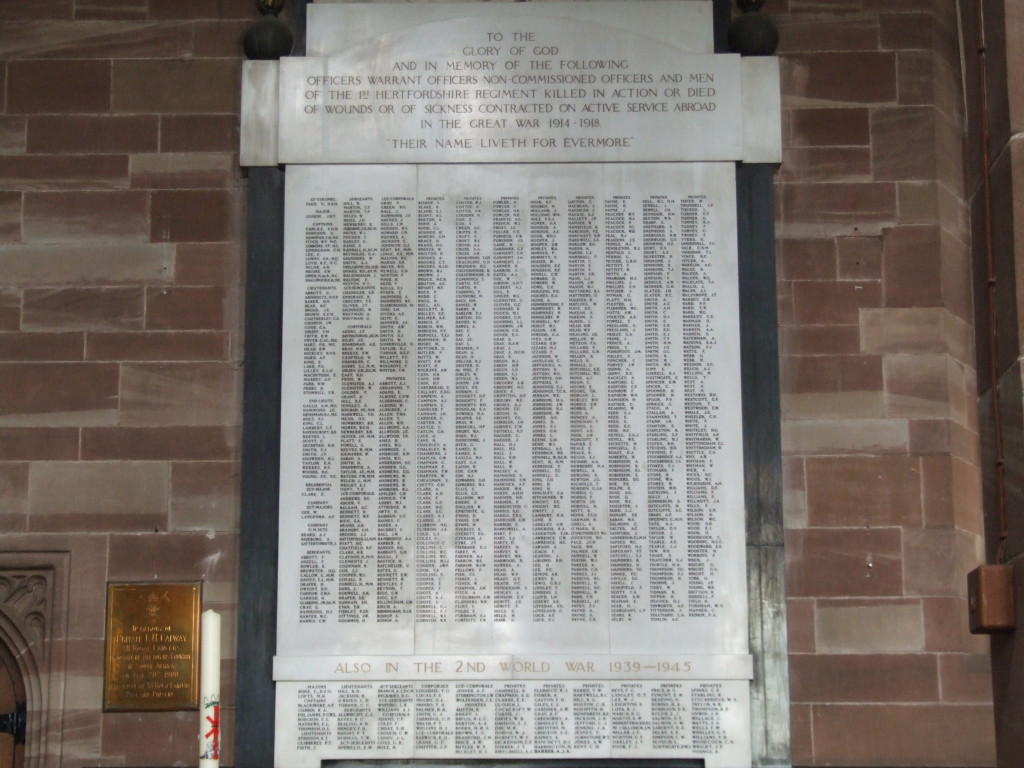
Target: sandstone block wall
<point>880,428</point>
<point>121,257</point>
<point>121,242</point>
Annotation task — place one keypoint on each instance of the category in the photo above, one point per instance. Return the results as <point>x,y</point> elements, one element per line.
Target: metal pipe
<point>992,329</point>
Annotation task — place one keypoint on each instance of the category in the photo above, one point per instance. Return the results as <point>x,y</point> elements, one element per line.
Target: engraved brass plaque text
<point>152,647</point>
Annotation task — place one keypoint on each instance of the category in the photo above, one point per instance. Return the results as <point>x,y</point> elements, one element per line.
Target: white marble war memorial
<point>512,520</point>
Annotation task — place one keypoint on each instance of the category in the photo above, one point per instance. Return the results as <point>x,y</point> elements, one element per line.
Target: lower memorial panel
<point>481,719</point>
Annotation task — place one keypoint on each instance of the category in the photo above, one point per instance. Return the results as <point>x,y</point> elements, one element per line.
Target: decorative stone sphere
<point>752,34</point>
<point>268,38</point>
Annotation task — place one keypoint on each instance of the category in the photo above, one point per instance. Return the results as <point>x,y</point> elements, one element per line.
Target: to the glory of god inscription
<point>511,504</point>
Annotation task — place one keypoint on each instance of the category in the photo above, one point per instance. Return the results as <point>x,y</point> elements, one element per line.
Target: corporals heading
<point>510,88</point>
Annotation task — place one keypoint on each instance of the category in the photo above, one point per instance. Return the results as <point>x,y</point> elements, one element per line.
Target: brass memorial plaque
<point>152,647</point>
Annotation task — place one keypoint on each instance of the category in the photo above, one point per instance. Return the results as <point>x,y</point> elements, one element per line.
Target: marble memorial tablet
<point>511,514</point>
<point>510,82</point>
<point>500,82</point>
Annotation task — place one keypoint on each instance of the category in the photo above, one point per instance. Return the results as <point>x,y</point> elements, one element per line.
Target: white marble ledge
<point>515,667</point>
<point>260,113</point>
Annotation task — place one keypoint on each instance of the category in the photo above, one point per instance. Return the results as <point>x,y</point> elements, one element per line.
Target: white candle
<point>209,691</point>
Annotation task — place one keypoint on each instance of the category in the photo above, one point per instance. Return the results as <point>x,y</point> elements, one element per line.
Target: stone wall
<point>120,317</point>
<point>121,218</point>
<point>880,432</point>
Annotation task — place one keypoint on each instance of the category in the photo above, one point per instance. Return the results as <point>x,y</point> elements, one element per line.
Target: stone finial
<point>751,33</point>
<point>268,38</point>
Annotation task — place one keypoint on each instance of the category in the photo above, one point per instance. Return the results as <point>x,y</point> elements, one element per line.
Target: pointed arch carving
<point>33,617</point>
<point>26,597</point>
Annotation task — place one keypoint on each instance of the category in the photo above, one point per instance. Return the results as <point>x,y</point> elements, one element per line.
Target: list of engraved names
<point>510,517</point>
<point>512,405</point>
